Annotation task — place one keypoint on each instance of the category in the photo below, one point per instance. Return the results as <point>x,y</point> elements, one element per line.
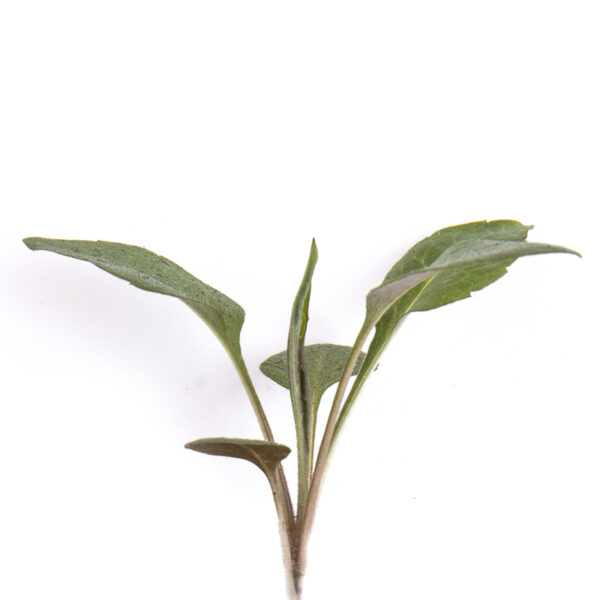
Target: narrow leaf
<point>325,363</point>
<point>298,377</point>
<point>154,273</point>
<point>265,455</point>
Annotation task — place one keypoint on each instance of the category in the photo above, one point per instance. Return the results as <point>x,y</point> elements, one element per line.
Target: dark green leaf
<point>265,455</point>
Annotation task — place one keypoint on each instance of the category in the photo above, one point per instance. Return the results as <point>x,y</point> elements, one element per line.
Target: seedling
<point>440,269</point>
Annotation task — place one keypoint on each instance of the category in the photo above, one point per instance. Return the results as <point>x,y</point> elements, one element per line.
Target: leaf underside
<point>265,455</point>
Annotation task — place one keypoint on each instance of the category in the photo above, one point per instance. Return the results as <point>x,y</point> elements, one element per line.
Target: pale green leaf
<point>298,377</point>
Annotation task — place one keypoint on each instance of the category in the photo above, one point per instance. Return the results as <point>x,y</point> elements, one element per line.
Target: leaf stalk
<point>305,524</point>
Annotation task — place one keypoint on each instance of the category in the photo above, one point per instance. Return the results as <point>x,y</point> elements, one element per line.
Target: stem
<point>286,533</point>
<point>304,468</point>
<point>299,383</point>
<point>277,480</point>
<point>360,381</point>
<point>312,432</point>
<point>304,525</point>
<point>279,485</point>
<point>254,400</point>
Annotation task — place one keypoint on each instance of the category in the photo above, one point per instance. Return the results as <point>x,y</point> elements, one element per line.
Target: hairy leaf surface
<point>154,273</point>
<point>325,363</point>
<point>454,262</point>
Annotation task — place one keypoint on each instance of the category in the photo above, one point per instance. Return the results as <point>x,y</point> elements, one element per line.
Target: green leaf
<point>298,377</point>
<point>297,373</point>
<point>154,273</point>
<point>464,258</point>
<point>265,455</point>
<point>453,262</point>
<point>325,363</point>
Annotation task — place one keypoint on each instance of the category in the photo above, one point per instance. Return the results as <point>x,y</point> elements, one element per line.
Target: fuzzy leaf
<point>464,259</point>
<point>154,273</point>
<point>325,363</point>
<point>453,263</point>
<point>265,455</point>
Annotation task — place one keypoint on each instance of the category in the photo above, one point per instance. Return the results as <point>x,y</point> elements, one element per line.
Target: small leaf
<point>154,273</point>
<point>265,455</point>
<point>325,364</point>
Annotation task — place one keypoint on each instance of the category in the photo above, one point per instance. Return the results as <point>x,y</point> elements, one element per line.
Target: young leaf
<point>298,377</point>
<point>265,455</point>
<point>457,261</point>
<point>325,363</point>
<point>297,374</point>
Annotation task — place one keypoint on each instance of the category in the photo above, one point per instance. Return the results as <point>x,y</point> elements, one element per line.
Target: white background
<point>225,135</point>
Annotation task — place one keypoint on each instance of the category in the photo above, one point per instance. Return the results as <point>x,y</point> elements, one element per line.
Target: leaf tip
<point>33,243</point>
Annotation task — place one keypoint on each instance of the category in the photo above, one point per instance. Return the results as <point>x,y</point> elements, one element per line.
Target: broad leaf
<point>265,455</point>
<point>453,263</point>
<point>325,363</point>
<point>154,273</point>
<point>464,259</point>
